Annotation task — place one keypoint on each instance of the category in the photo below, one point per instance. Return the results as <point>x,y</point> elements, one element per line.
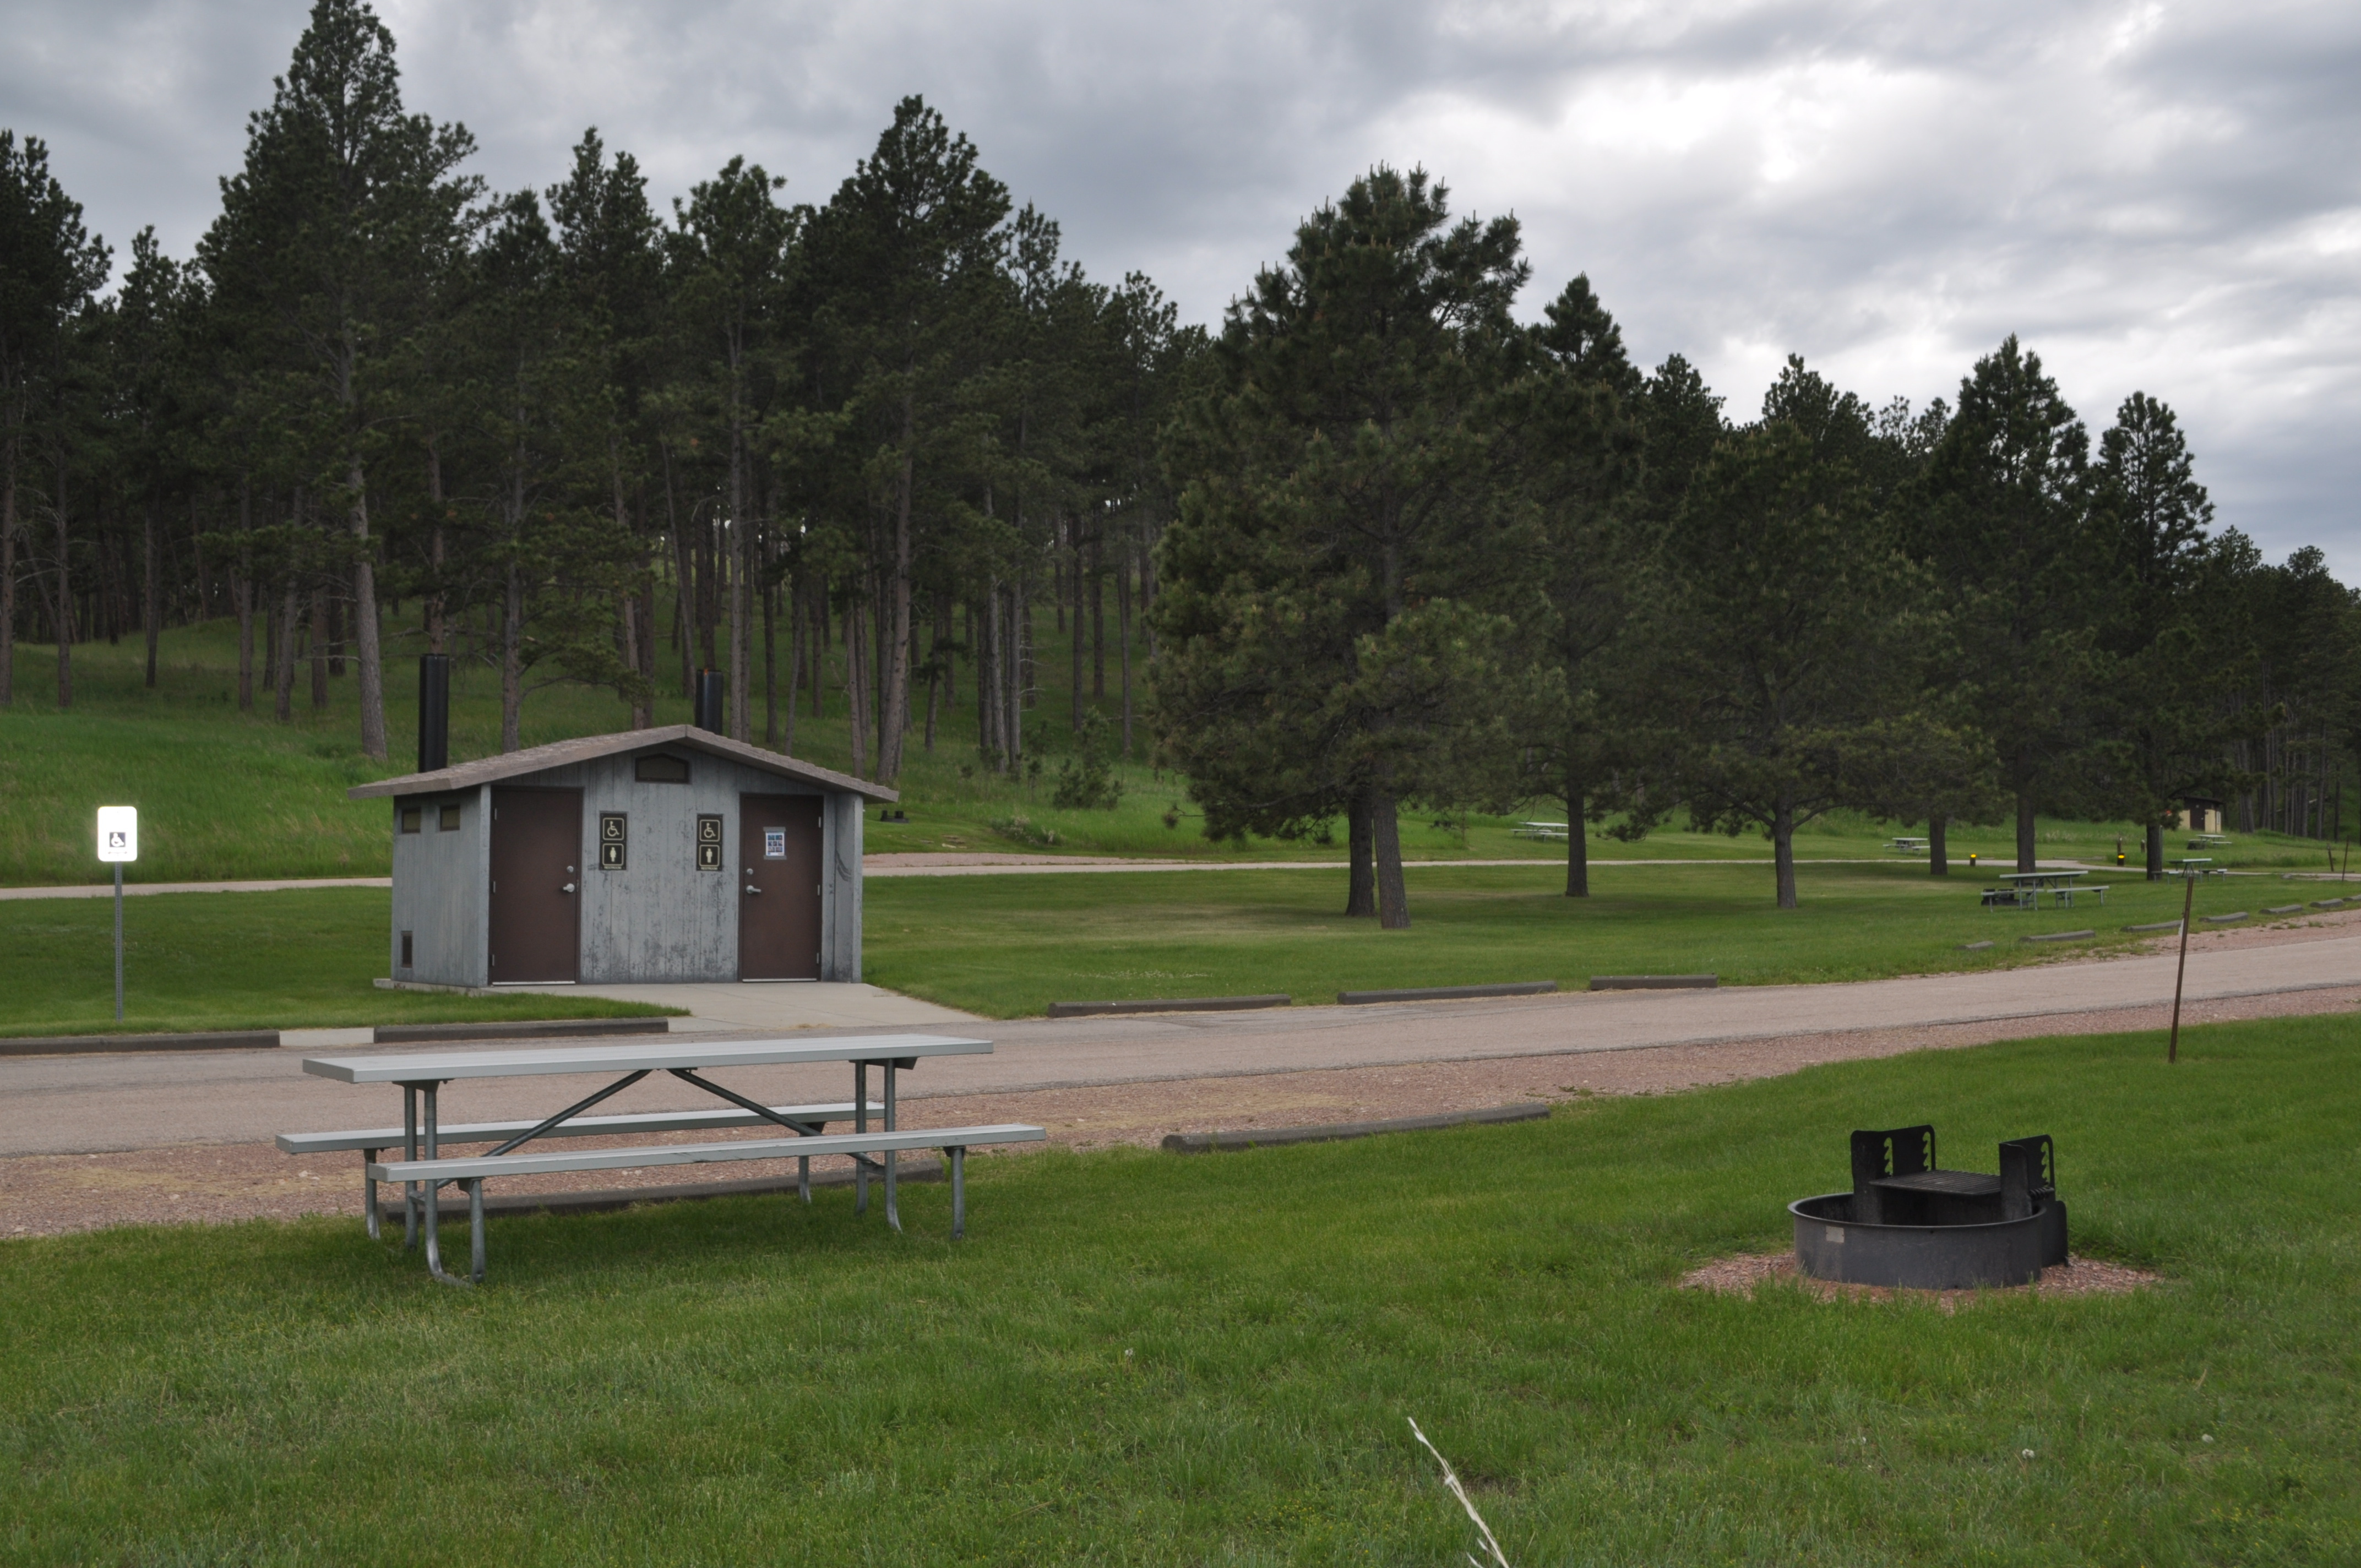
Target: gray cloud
<point>2166,198</point>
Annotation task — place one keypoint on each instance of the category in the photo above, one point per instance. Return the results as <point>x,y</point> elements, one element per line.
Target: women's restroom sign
<point>118,834</point>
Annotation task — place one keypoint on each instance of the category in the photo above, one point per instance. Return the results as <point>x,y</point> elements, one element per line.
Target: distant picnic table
<point>2024,889</point>
<point>1558,830</point>
<point>2196,865</point>
<point>1907,846</point>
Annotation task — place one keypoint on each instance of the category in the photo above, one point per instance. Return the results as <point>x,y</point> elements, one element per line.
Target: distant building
<point>2201,814</point>
<point>654,855</point>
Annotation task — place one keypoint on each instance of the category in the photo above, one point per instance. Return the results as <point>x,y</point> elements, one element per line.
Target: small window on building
<point>412,817</point>
<point>660,769</point>
<point>450,823</point>
<point>408,952</point>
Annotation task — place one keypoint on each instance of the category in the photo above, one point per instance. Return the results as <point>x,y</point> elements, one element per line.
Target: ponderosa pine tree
<point>1326,635</point>
<point>2172,663</point>
<point>1793,611</point>
<point>908,253</point>
<point>2006,528</point>
<point>321,253</point>
<point>1574,422</point>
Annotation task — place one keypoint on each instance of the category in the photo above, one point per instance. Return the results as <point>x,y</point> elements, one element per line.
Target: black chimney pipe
<point>710,714</point>
<point>433,712</point>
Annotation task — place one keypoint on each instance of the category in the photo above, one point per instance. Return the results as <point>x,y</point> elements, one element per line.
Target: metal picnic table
<point>2026,887</point>
<point>423,1074</point>
<point>2195,865</point>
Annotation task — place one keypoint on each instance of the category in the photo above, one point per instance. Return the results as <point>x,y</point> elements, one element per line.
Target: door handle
<point>567,888</point>
<point>752,888</point>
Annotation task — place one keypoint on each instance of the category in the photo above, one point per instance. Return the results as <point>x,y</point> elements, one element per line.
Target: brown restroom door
<point>536,885</point>
<point>778,898</point>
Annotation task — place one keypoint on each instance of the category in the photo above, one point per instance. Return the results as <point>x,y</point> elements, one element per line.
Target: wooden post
<point>2188,903</point>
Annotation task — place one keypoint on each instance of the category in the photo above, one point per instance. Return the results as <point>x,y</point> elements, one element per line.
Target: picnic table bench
<point>423,1169</point>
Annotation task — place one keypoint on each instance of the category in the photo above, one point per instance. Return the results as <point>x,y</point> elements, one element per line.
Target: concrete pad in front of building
<point>776,1004</point>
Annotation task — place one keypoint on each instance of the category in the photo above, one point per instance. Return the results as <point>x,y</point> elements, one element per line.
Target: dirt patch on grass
<point>1743,1275</point>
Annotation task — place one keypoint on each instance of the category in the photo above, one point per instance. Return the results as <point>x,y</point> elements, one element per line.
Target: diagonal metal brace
<point>806,1129</point>
<point>570,1113</point>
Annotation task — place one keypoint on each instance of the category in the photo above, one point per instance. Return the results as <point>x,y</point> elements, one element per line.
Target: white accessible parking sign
<point>118,833</point>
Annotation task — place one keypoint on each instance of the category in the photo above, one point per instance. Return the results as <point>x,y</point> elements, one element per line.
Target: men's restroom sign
<point>774,843</point>
<point>118,833</point>
<point>708,843</point>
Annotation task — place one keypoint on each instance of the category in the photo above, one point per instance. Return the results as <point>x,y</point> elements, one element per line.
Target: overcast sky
<point>2160,197</point>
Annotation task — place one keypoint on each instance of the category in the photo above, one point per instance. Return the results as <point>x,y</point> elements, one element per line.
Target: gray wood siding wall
<point>840,909</point>
<point>439,891</point>
<point>659,919</point>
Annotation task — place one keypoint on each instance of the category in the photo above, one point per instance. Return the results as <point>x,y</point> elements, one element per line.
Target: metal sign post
<point>118,843</point>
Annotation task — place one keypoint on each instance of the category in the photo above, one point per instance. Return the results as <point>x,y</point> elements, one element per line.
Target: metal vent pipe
<point>433,712</point>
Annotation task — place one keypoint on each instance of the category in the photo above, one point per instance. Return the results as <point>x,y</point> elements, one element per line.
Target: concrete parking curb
<point>2060,937</point>
<point>77,1045</point>
<point>1655,982</point>
<point>1170,1004</point>
<point>1445,992</point>
<point>533,1029</point>
<point>1207,1143</point>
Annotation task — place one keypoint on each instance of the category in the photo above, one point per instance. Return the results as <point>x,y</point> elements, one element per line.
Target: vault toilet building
<point>654,855</point>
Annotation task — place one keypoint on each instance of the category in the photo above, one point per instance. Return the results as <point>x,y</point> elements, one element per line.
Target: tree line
<point>1390,546</point>
<point>885,426</point>
<point>1426,553</point>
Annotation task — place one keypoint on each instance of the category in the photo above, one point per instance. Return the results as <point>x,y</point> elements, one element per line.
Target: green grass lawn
<point>1145,1358</point>
<point>228,960</point>
<point>1009,946</point>
<point>229,795</point>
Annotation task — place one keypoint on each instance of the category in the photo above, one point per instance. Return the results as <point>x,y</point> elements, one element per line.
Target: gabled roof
<point>590,748</point>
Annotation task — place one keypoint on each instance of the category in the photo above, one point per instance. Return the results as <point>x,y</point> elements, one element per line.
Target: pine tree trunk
<point>1361,889</point>
<point>1939,850</point>
<point>149,608</point>
<point>8,575</point>
<point>1385,833</point>
<point>1577,845</point>
<point>1098,614</point>
<point>364,629</point>
<point>2154,851</point>
<point>1074,585</point>
<point>794,663</point>
<point>1783,852</point>
<point>769,661</point>
<point>894,723</point>
<point>241,596</point>
<point>319,645</point>
<point>512,662</point>
<point>65,616</point>
<point>2026,848</point>
<point>858,686</point>
<point>1123,641</point>
<point>282,664</point>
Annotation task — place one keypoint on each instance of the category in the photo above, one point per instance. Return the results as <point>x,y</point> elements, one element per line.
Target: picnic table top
<point>444,1065</point>
<point>2193,860</point>
<point>2043,876</point>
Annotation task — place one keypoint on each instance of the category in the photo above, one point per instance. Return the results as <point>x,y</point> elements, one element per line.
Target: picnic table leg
<point>368,1191</point>
<point>434,1201</point>
<point>409,1151</point>
<point>859,1124</point>
<point>803,1178</point>
<point>475,1231</point>
<point>893,1216</point>
<point>959,1191</point>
